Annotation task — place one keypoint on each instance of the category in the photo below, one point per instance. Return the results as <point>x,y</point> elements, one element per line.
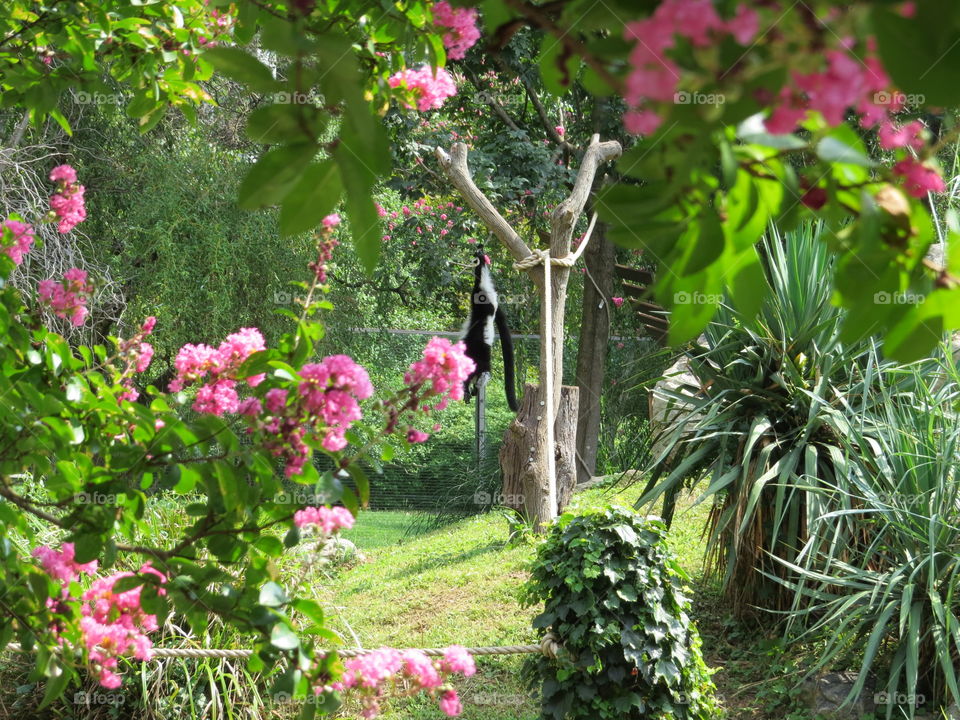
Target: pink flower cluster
<point>218,395</point>
<point>441,373</point>
<point>847,82</point>
<point>918,178</point>
<point>21,236</point>
<point>325,245</point>
<point>372,674</point>
<point>462,26</point>
<point>137,355</point>
<point>326,401</point>
<point>68,298</point>
<point>113,624</point>
<point>328,520</point>
<point>429,89</point>
<point>438,377</point>
<point>654,77</point>
<point>429,218</point>
<point>61,565</point>
<point>67,204</point>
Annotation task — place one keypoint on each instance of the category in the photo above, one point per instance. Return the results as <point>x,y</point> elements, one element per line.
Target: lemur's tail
<point>506,344</point>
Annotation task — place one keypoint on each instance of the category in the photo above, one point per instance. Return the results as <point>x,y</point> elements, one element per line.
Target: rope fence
<point>548,646</point>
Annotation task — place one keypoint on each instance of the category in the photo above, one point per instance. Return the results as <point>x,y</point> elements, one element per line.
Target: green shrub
<point>881,569</point>
<point>771,402</point>
<point>612,595</point>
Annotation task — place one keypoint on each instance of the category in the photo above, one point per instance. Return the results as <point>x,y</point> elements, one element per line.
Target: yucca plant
<point>769,407</point>
<point>879,575</point>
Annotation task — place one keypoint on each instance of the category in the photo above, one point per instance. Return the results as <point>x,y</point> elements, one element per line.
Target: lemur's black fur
<point>485,312</point>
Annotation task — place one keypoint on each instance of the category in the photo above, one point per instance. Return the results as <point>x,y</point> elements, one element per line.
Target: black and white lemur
<point>485,311</point>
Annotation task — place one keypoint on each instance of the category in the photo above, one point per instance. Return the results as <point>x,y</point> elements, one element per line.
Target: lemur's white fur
<point>486,285</point>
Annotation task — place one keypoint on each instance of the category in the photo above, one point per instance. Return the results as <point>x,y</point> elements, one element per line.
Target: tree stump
<point>522,464</point>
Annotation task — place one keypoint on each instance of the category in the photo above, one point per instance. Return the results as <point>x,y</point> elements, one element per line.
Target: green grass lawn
<point>460,584</point>
<point>431,587</point>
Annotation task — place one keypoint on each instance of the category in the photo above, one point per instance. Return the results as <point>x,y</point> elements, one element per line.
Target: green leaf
<point>922,54</point>
<point>57,682</point>
<point>558,66</point>
<point>313,198</point>
<point>835,150</point>
<point>704,243</point>
<point>272,595</point>
<point>283,637</point>
<point>239,65</point>
<point>285,123</point>
<point>361,210</point>
<point>747,284</point>
<point>275,175</point>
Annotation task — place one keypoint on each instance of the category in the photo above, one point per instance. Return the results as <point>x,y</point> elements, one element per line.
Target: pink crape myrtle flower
<point>456,659</point>
<point>372,674</point>
<point>219,368</point>
<point>331,221</point>
<point>910,135</point>
<point>416,436</point>
<point>61,565</point>
<point>450,703</point>
<point>22,236</point>
<point>114,624</point>
<point>68,298</point>
<point>327,519</point>
<point>462,25</point>
<point>617,301</point>
<point>67,204</point>
<point>654,77</point>
<point>918,179</point>
<point>442,371</point>
<point>430,89</point>
<point>330,390</point>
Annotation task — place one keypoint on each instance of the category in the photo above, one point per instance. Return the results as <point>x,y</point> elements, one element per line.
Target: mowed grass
<point>460,585</point>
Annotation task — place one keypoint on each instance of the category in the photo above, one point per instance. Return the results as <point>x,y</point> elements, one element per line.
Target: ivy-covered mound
<point>612,594</point>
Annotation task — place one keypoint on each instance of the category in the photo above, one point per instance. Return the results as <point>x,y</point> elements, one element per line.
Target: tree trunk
<point>529,451</point>
<point>524,469</point>
<point>592,349</point>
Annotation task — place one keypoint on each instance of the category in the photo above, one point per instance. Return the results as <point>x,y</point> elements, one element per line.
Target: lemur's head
<point>482,258</point>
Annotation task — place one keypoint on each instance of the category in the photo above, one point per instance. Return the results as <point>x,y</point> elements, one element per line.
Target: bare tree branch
<point>455,166</point>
